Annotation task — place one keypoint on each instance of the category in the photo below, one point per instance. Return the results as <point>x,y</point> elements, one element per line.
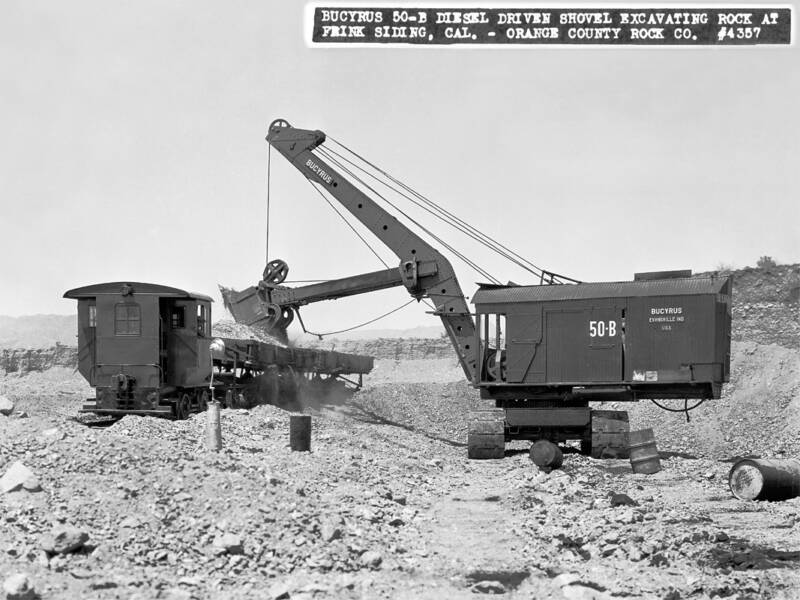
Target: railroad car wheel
<point>202,401</point>
<point>182,407</point>
<point>486,435</point>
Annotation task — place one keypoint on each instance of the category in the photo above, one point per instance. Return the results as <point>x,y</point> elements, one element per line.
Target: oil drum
<point>643,452</point>
<point>546,455</point>
<point>300,432</point>
<point>765,479</point>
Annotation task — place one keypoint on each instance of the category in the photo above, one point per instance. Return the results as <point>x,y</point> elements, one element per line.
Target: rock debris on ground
<point>386,503</point>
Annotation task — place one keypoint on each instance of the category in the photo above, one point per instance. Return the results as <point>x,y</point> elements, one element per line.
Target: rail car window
<point>92,315</point>
<point>202,320</point>
<point>127,319</point>
<point>177,317</point>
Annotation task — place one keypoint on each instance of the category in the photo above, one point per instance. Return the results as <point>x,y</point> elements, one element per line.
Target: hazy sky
<point>133,149</point>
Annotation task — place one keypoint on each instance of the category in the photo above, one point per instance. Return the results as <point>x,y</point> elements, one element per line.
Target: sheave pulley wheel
<point>279,124</point>
<point>183,408</point>
<point>276,271</point>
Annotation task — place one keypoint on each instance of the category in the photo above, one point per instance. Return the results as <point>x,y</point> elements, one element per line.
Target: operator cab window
<point>177,318</point>
<point>202,320</point>
<point>127,319</point>
<point>92,315</point>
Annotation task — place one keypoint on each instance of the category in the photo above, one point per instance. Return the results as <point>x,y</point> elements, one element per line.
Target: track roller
<point>486,436</point>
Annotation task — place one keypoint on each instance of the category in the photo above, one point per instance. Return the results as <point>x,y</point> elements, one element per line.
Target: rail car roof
<point>615,289</point>
<point>114,288</point>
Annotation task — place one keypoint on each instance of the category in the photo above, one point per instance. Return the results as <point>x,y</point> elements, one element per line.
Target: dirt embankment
<point>758,414</point>
<point>23,361</point>
<point>766,305</point>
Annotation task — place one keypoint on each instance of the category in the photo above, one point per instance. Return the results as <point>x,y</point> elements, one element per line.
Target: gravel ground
<point>386,504</point>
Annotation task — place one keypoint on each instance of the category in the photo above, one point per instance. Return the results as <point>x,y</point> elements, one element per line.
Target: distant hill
<point>38,331</point>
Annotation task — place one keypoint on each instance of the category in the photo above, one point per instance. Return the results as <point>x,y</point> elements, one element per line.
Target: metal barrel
<point>765,479</point>
<point>300,432</point>
<point>546,455</point>
<point>213,427</point>
<point>643,452</point>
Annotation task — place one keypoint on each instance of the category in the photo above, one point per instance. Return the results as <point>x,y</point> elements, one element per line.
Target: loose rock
<point>18,587</point>
<point>279,591</point>
<point>371,559</point>
<point>489,587</point>
<point>15,477</point>
<point>6,406</point>
<point>63,539</point>
<point>330,531</point>
<point>622,500</point>
<point>230,543</point>
<point>31,484</point>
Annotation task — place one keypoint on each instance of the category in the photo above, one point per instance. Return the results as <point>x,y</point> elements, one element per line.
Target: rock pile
<point>766,302</point>
<point>758,414</point>
<point>231,329</point>
<point>140,509</point>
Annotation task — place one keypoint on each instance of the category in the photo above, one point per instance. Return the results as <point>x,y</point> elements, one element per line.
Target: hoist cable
<point>319,335</point>
<point>306,281</point>
<point>445,216</point>
<point>336,210</point>
<point>464,226</point>
<point>457,222</point>
<point>269,161</point>
<point>455,252</point>
<point>458,254</point>
<point>461,256</point>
